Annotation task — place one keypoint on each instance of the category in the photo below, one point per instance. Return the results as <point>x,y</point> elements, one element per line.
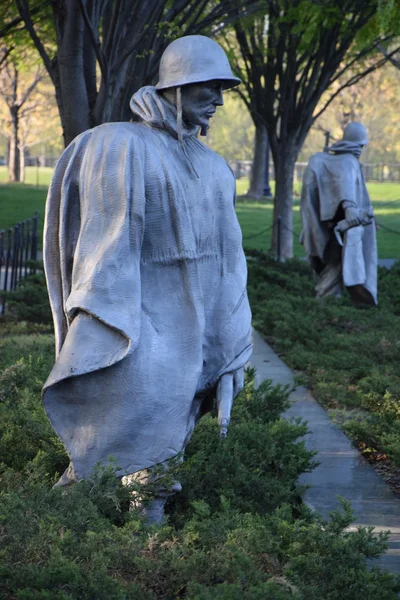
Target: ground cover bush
<point>348,356</point>
<point>237,531</point>
<point>30,301</point>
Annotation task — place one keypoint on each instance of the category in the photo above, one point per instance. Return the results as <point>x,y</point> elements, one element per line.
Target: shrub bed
<point>348,356</point>
<point>237,531</point>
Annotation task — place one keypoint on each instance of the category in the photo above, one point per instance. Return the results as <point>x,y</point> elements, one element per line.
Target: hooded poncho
<point>329,180</point>
<point>147,283</point>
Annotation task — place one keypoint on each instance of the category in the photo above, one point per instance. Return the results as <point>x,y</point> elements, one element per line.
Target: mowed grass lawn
<point>21,201</point>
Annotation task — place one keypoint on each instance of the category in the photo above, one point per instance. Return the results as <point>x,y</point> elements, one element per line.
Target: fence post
<point>8,258</point>
<point>1,247</point>
<point>14,262</point>
<point>2,263</point>
<point>278,237</point>
<point>21,248</point>
<point>34,240</point>
<point>27,245</point>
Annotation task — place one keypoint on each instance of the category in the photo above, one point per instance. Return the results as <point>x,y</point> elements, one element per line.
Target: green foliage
<point>25,432</point>
<point>30,301</point>
<point>348,356</point>
<point>255,468</point>
<point>236,531</point>
<point>389,15</point>
<point>325,560</point>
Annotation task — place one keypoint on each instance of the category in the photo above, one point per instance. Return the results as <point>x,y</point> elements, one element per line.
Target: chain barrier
<point>296,234</point>
<point>279,224</point>
<point>291,230</point>
<point>387,203</point>
<point>380,226</point>
<point>254,235</point>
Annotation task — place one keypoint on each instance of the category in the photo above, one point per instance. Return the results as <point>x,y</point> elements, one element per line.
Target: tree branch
<point>389,56</point>
<point>353,80</point>
<point>7,52</point>
<point>24,11</point>
<point>143,31</point>
<point>357,57</point>
<point>94,38</point>
<point>18,20</point>
<point>197,15</point>
<point>38,77</point>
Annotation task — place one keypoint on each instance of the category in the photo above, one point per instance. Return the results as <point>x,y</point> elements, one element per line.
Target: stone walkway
<point>387,262</point>
<point>343,471</point>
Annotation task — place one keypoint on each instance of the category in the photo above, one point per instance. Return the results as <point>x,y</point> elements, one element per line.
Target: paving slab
<point>342,470</point>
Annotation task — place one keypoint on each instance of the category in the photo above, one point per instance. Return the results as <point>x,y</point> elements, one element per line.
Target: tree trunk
<point>13,157</point>
<point>22,163</point>
<point>257,178</point>
<point>282,238</point>
<point>70,61</point>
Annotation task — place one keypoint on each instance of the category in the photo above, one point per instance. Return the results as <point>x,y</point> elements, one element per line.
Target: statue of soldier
<point>339,233</point>
<point>146,274</point>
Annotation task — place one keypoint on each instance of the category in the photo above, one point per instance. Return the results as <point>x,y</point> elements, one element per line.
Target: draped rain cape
<point>330,179</point>
<point>147,283</point>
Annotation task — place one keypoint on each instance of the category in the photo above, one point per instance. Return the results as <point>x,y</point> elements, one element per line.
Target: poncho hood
<point>154,110</point>
<point>345,146</point>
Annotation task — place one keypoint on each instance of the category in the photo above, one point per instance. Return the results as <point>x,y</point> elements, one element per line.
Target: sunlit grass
<point>21,201</point>
<point>257,216</point>
<point>37,176</point>
<point>379,192</point>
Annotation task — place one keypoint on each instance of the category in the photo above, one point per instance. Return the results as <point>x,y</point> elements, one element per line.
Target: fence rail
<point>18,246</point>
<point>381,172</point>
<point>278,224</point>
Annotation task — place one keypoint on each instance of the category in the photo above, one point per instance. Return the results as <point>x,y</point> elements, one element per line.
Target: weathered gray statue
<point>338,221</point>
<point>146,274</point>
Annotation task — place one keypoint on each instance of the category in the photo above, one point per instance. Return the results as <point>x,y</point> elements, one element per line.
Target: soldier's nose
<point>219,100</point>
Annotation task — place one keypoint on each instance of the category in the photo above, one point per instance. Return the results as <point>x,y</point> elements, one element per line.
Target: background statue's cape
<point>329,179</point>
<point>147,283</point>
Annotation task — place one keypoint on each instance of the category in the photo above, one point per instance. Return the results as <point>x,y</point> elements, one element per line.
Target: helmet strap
<point>179,113</point>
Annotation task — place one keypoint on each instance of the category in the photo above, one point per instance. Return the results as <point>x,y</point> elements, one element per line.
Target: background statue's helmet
<point>355,132</point>
<point>194,59</point>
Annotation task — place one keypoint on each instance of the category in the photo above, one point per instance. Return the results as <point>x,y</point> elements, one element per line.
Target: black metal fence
<point>18,246</point>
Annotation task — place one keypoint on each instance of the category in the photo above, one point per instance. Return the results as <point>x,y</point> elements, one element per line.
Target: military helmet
<point>194,59</point>
<point>355,132</point>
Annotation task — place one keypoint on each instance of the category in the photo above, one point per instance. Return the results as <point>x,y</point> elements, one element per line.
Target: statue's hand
<point>238,381</point>
<point>225,395</point>
<point>228,388</point>
<point>352,216</point>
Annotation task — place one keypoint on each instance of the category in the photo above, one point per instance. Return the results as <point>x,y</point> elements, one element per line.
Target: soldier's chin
<point>204,129</point>
<point>201,122</point>
<point>204,124</point>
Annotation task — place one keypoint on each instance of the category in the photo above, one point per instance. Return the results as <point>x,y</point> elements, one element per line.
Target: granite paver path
<point>342,470</point>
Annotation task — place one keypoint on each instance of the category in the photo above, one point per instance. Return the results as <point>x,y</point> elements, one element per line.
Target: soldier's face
<point>200,101</point>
